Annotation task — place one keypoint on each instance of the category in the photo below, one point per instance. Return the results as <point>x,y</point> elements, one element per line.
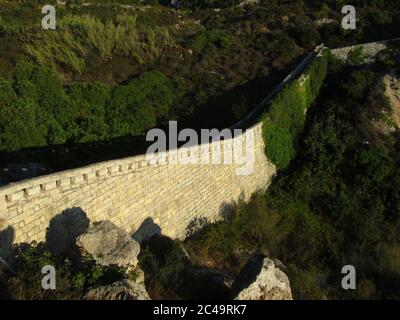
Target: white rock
<point>109,245</point>
<point>269,283</point>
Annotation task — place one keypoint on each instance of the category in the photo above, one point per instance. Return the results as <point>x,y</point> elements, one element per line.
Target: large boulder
<point>262,279</point>
<point>126,289</point>
<point>109,245</point>
<point>121,290</point>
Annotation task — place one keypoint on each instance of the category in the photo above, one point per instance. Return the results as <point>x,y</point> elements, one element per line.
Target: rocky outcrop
<point>248,3</point>
<point>109,245</point>
<point>262,279</point>
<point>121,290</point>
<point>392,83</point>
<point>324,21</point>
<point>126,289</point>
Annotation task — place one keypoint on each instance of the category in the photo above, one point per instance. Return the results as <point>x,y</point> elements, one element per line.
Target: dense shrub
<point>73,278</point>
<point>163,261</point>
<point>285,117</point>
<point>249,227</point>
<point>356,56</point>
<point>90,102</point>
<point>336,205</point>
<point>37,110</point>
<point>386,59</point>
<point>140,104</point>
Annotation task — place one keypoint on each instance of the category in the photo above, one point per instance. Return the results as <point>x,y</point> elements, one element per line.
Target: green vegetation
<point>140,105</point>
<point>78,36</point>
<point>285,118</point>
<point>110,71</point>
<point>356,56</point>
<point>228,244</point>
<point>163,262</point>
<point>220,63</point>
<point>73,278</point>
<point>336,204</point>
<point>36,110</point>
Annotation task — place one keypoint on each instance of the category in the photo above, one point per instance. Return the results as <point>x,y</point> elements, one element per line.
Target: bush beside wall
<point>285,117</point>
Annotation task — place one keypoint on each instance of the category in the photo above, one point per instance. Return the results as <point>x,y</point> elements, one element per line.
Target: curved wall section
<point>129,191</point>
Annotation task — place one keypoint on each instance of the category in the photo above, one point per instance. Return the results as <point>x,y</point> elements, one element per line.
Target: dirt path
<point>393,92</point>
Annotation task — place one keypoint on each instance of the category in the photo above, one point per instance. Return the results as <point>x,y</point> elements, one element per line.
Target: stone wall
<point>129,191</point>
<point>370,50</point>
<point>294,74</point>
<point>134,190</point>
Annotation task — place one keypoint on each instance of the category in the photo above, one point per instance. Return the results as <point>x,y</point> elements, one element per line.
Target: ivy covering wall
<point>285,117</point>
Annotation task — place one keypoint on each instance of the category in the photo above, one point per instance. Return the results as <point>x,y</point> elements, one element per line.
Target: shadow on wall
<point>196,225</point>
<point>64,229</point>
<point>7,236</point>
<point>61,234</point>
<point>146,230</point>
<point>226,211</point>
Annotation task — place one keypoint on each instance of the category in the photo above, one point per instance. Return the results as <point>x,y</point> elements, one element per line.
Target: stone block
<point>49,186</point>
<point>33,191</point>
<point>89,176</point>
<point>113,170</point>
<point>16,196</point>
<point>64,183</point>
<point>125,167</point>
<point>102,172</point>
<point>143,163</point>
<point>3,204</point>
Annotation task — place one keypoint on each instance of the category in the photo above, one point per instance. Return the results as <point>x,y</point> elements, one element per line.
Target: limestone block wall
<point>128,191</point>
<point>370,50</point>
